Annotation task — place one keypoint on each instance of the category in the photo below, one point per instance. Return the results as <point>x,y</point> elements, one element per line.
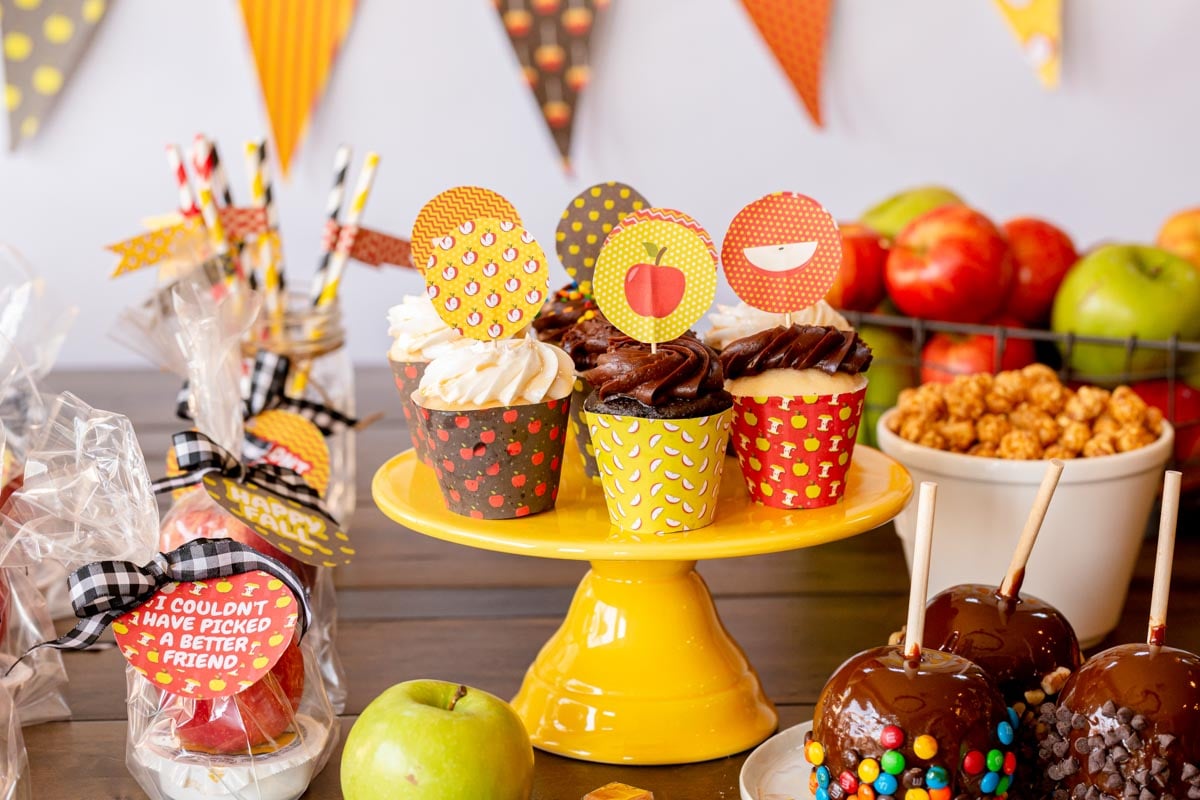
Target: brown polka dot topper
<point>782,252</point>
<point>43,42</point>
<point>586,222</point>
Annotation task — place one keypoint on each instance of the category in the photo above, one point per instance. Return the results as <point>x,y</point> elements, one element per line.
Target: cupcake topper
<point>448,209</point>
<point>914,631</point>
<point>487,277</point>
<point>1157,633</point>
<point>586,221</point>
<point>782,252</point>
<point>656,275</point>
<point>1010,588</point>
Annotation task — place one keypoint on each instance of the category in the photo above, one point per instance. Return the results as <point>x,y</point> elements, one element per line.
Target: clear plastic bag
<point>14,763</point>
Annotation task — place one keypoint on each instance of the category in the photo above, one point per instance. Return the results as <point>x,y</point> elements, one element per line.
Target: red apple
<point>1042,255</point>
<point>189,521</point>
<point>950,264</point>
<point>947,355</point>
<point>859,283</point>
<point>654,290</point>
<point>251,718</point>
<point>1186,416</point>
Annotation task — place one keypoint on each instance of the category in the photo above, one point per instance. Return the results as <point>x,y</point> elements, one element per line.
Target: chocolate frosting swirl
<point>558,316</point>
<point>798,347</point>
<point>587,340</point>
<point>681,369</point>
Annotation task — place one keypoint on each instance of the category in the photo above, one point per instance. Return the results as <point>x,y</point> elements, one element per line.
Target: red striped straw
<point>187,201</point>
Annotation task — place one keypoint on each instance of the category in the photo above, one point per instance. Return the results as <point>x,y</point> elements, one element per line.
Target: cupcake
<point>585,342</point>
<point>494,416</point>
<point>798,396</point>
<point>659,423</point>
<point>561,313</point>
<point>730,323</point>
<point>418,336</point>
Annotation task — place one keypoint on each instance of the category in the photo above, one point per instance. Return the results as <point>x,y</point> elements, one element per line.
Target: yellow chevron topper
<point>1037,24</point>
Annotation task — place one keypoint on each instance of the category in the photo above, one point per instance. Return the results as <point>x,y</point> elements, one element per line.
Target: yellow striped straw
<point>268,255</point>
<point>212,220</point>
<point>341,257</point>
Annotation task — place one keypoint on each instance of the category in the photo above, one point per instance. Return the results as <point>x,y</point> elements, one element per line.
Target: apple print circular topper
<point>655,278</point>
<point>211,638</point>
<point>668,215</point>
<point>782,252</point>
<point>586,223</point>
<point>451,207</point>
<point>488,278</point>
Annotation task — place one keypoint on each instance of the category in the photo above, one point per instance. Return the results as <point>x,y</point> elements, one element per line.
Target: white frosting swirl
<point>509,372</point>
<point>418,333</point>
<point>730,323</point>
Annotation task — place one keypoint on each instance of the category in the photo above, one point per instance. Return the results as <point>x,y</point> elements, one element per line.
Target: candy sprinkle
<point>892,763</point>
<point>848,782</point>
<point>916,794</point>
<point>815,753</point>
<point>974,762</point>
<point>868,770</point>
<point>995,760</point>
<point>940,794</point>
<point>891,737</point>
<point>886,784</point>
<point>822,776</point>
<point>989,783</point>
<point>1005,733</point>
<point>937,778</point>
<point>1010,763</point>
<point>926,746</point>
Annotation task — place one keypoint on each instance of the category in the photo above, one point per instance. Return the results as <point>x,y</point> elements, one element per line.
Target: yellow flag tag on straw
<point>1037,24</point>
<point>156,246</point>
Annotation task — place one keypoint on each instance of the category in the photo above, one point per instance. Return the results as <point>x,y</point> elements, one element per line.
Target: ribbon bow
<point>103,591</point>
<point>198,455</point>
<point>264,390</point>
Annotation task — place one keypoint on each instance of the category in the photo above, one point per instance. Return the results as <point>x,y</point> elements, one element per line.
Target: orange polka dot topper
<point>782,252</point>
<point>183,638</point>
<point>656,275</point>
<point>587,221</point>
<point>450,208</point>
<point>487,278</point>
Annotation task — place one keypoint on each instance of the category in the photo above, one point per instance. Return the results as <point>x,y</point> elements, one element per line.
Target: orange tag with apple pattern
<point>487,278</point>
<point>655,277</point>
<point>782,252</point>
<point>448,209</point>
<point>211,638</point>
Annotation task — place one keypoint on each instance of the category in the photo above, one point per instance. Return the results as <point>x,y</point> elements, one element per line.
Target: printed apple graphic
<point>545,7</point>
<point>518,22</point>
<point>512,284</point>
<point>577,77</point>
<point>446,242</point>
<point>490,269</point>
<point>495,329</point>
<point>531,76</point>
<point>466,227</point>
<point>472,288</point>
<point>577,21</point>
<point>469,258</point>
<point>533,297</point>
<point>449,271</point>
<point>509,254</point>
<point>550,57</point>
<point>432,740</point>
<point>515,314</point>
<point>780,258</point>
<point>432,291</point>
<point>492,300</point>
<point>487,239</point>
<point>531,266</point>
<point>451,303</point>
<point>251,718</point>
<point>557,113</point>
<point>654,290</point>
<point>526,237</point>
<point>474,318</point>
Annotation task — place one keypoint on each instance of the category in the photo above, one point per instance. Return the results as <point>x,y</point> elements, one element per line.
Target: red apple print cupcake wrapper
<point>579,428</point>
<point>795,451</point>
<point>408,378</point>
<point>660,475</point>
<point>498,463</point>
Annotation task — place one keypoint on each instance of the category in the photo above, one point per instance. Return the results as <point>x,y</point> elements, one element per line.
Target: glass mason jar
<point>314,339</point>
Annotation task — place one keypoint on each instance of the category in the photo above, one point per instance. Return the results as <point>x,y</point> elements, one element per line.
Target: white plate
<point>777,769</point>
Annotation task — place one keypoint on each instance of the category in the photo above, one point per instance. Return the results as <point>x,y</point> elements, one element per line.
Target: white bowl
<point>1089,542</point>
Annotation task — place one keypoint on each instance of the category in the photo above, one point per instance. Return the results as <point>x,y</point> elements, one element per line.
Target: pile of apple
<point>924,253</point>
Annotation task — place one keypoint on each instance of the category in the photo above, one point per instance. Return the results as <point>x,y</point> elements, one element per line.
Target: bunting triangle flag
<point>44,41</point>
<point>795,31</point>
<point>1037,24</point>
<point>295,44</point>
<point>552,40</point>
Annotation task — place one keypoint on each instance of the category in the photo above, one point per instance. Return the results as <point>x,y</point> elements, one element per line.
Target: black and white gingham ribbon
<point>265,389</point>
<point>198,455</point>
<point>105,590</point>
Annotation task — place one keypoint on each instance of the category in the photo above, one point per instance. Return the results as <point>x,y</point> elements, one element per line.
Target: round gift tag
<point>488,278</point>
<point>782,252</point>
<point>451,207</point>
<point>587,221</point>
<point>296,444</point>
<point>654,279</point>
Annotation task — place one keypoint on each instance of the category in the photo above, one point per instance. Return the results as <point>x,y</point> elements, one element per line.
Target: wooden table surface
<point>413,607</point>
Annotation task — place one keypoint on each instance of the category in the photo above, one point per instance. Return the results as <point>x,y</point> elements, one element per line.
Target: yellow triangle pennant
<point>1037,24</point>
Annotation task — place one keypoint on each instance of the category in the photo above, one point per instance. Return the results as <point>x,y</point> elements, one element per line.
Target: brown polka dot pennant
<point>44,40</point>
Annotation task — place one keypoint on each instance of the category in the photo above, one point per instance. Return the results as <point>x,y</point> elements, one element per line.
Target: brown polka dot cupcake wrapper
<point>497,463</point>
<point>579,428</point>
<point>408,378</point>
<point>795,451</point>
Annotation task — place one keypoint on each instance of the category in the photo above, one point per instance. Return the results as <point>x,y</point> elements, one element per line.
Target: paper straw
<point>187,201</point>
<point>1167,520</point>
<point>914,631</point>
<point>341,256</point>
<point>268,251</point>
<point>333,208</point>
<point>202,162</point>
<point>219,181</point>
<point>1011,586</point>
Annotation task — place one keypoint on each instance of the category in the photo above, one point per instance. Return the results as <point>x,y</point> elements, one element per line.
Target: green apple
<point>889,217</point>
<point>432,740</point>
<point>892,370</point>
<point>1119,291</point>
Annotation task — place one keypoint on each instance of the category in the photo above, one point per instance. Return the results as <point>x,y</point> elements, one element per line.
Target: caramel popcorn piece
<point>964,398</point>
<point>931,438</point>
<point>1126,407</point>
<point>1040,373</point>
<point>1048,396</point>
<point>1087,404</point>
<point>984,450</point>
<point>990,428</point>
<point>1131,437</point>
<point>1020,445</point>
<point>618,791</point>
<point>1074,436</point>
<point>1105,424</point>
<point>959,434</point>
<point>1154,421</point>
<point>1059,452</point>
<point>1102,444</point>
<point>1027,417</point>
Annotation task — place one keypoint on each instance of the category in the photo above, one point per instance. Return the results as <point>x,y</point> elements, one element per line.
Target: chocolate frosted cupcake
<point>568,307</point>
<point>585,342</point>
<point>798,396</point>
<point>730,323</point>
<point>659,423</point>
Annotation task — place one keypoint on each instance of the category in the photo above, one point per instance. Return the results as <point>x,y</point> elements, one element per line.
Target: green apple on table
<point>889,217</point>
<point>432,740</point>
<point>1120,291</point>
<point>892,371</point>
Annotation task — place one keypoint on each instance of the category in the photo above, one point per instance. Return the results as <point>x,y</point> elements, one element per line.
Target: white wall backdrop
<point>687,104</point>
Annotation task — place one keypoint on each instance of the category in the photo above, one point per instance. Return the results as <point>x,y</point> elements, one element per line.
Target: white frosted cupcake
<point>730,323</point>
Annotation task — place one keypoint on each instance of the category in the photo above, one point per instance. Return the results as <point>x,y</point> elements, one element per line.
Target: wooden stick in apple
<point>1156,635</point>
<point>1010,587</point>
<point>914,631</point>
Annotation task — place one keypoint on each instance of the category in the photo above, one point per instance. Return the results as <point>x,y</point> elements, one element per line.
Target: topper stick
<point>787,319</point>
<point>1157,633</point>
<point>1010,587</point>
<point>914,631</point>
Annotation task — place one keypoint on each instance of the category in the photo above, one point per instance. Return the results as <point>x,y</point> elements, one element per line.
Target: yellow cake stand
<point>642,671</point>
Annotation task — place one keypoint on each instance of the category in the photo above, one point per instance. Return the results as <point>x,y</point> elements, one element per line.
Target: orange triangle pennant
<point>295,44</point>
<point>795,31</point>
